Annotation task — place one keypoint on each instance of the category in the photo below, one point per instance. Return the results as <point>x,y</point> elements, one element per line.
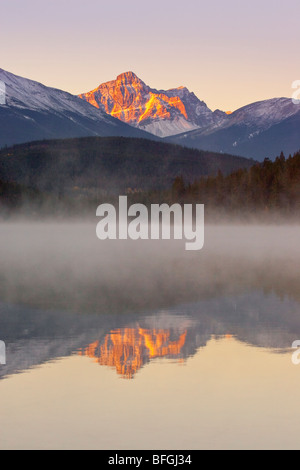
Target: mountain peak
<point>128,77</point>
<point>33,111</point>
<point>160,112</point>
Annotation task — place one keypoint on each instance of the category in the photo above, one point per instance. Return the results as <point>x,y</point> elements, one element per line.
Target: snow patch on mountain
<point>161,128</point>
<point>25,94</point>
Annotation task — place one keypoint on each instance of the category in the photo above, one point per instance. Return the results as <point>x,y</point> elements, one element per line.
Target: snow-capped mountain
<point>32,111</point>
<point>263,114</point>
<point>130,108</point>
<point>259,130</point>
<point>162,113</point>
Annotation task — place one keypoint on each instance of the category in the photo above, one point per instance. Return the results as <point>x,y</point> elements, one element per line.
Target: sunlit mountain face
<point>34,112</point>
<point>162,113</point>
<point>257,130</point>
<point>129,349</point>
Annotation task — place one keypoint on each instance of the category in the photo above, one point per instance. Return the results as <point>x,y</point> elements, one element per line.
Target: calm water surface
<point>145,346</point>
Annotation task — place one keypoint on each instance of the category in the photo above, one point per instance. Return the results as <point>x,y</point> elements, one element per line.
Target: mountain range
<point>259,130</point>
<point>128,107</point>
<point>162,113</point>
<point>33,111</point>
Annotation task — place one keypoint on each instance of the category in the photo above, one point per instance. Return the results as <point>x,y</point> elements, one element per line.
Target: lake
<point>142,345</point>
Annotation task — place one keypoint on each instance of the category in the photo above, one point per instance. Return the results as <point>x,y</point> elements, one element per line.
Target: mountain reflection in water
<point>129,349</point>
<point>128,342</point>
<point>125,304</point>
<point>78,317</point>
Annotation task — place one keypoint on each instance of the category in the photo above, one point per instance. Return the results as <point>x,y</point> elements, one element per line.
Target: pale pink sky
<point>230,53</point>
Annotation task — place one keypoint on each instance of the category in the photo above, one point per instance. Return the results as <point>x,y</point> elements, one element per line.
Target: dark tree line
<point>13,194</point>
<point>264,187</point>
<point>268,187</point>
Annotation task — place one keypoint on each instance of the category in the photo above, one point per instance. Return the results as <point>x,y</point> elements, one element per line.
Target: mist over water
<point>193,336</point>
<point>64,265</point>
<point>59,281</point>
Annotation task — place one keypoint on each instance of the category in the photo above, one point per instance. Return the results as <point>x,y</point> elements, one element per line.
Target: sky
<point>229,53</point>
